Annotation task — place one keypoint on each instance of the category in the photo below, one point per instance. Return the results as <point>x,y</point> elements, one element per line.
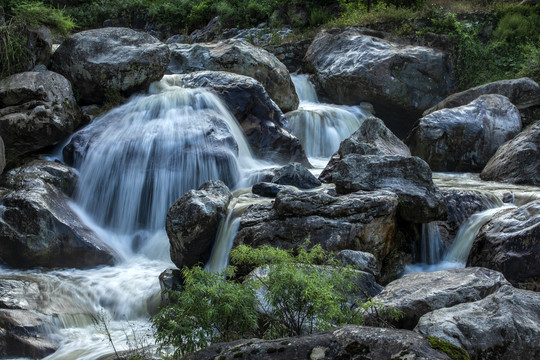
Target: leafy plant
<point>35,13</point>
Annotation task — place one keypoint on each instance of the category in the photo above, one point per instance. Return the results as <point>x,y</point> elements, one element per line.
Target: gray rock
<point>407,176</point>
<point>24,334</point>
<point>291,54</point>
<point>239,57</point>
<point>295,174</point>
<point>405,80</point>
<point>523,93</point>
<point>109,61</point>
<point>420,293</point>
<point>518,160</point>
<point>346,342</point>
<point>193,221</point>
<point>510,243</point>
<point>37,226</point>
<point>19,294</point>
<point>2,156</point>
<point>263,122</point>
<point>358,221</point>
<point>372,138</point>
<point>37,109</point>
<point>267,189</point>
<point>466,137</point>
<point>504,325</point>
<point>206,34</point>
<point>363,261</point>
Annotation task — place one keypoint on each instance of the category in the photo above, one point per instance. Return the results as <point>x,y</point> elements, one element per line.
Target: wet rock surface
<point>346,342</point>
<point>39,228</point>
<point>510,243</point>
<point>37,109</point>
<point>518,160</point>
<point>466,137</point>
<point>411,295</point>
<point>193,220</point>
<point>240,57</point>
<point>504,325</point>
<point>110,61</point>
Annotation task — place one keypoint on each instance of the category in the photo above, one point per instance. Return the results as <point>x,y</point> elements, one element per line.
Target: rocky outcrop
<point>291,54</point>
<point>504,325</point>
<point>401,81</point>
<point>346,342</point>
<point>518,160</point>
<point>2,156</point>
<point>239,57</point>
<point>523,93</point>
<point>193,220</point>
<point>466,137</point>
<point>294,174</point>
<point>262,121</point>
<point>372,138</point>
<point>409,177</point>
<point>24,334</point>
<point>38,228</point>
<point>110,61</point>
<point>413,298</point>
<point>362,261</point>
<point>37,109</point>
<point>358,221</point>
<point>510,243</point>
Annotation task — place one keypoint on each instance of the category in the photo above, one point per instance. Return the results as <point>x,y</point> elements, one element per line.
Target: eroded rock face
<point>523,93</point>
<point>2,156</point>
<point>37,109</point>
<point>510,243</point>
<point>263,122</point>
<point>518,160</point>
<point>504,325</point>
<point>358,221</point>
<point>407,176</point>
<point>420,293</point>
<point>352,67</point>
<point>239,57</point>
<point>109,61</point>
<point>466,137</point>
<point>346,342</point>
<point>362,260</point>
<point>37,226</point>
<point>193,220</point>
<point>372,138</point>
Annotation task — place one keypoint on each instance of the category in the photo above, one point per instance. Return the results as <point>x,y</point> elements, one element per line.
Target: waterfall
<point>461,247</point>
<point>431,245</point>
<point>321,127</point>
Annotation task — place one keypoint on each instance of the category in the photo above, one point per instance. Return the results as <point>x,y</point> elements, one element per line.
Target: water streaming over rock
<point>322,127</point>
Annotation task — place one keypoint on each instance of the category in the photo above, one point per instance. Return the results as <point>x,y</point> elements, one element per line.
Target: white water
<point>431,247</point>
<point>321,127</point>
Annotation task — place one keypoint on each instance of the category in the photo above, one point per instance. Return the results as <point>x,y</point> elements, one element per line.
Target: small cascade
<point>431,250</point>
<point>219,259</point>
<point>461,247</point>
<point>321,127</point>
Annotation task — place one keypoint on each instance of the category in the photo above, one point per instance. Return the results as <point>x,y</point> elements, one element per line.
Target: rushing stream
<point>144,155</point>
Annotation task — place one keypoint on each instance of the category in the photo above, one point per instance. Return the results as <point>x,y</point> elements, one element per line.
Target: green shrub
<point>13,49</point>
<point>295,297</point>
<point>36,13</point>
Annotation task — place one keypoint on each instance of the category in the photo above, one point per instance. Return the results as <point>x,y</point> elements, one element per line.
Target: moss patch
<point>455,352</point>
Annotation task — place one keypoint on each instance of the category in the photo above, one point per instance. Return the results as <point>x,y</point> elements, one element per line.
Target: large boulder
<point>413,298</point>
<point>372,138</point>
<point>109,61</point>
<point>358,221</point>
<point>466,137</point>
<point>510,243</point>
<point>361,260</point>
<point>193,221</point>
<point>518,160</point>
<point>409,177</point>
<point>523,93</point>
<point>346,342</point>
<point>291,54</point>
<point>2,156</point>
<point>263,122</point>
<point>401,81</point>
<point>504,325</point>
<point>239,57</point>
<point>38,227</point>
<point>37,109</point>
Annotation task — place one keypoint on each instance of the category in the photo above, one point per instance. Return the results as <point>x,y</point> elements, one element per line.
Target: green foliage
<point>453,351</point>
<point>13,50</point>
<point>289,294</point>
<point>35,13</point>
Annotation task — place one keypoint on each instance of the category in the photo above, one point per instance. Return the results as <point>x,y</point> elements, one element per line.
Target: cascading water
<point>321,127</point>
<point>431,247</point>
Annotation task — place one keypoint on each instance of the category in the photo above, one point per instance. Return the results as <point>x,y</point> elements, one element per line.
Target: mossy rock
<point>453,351</point>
